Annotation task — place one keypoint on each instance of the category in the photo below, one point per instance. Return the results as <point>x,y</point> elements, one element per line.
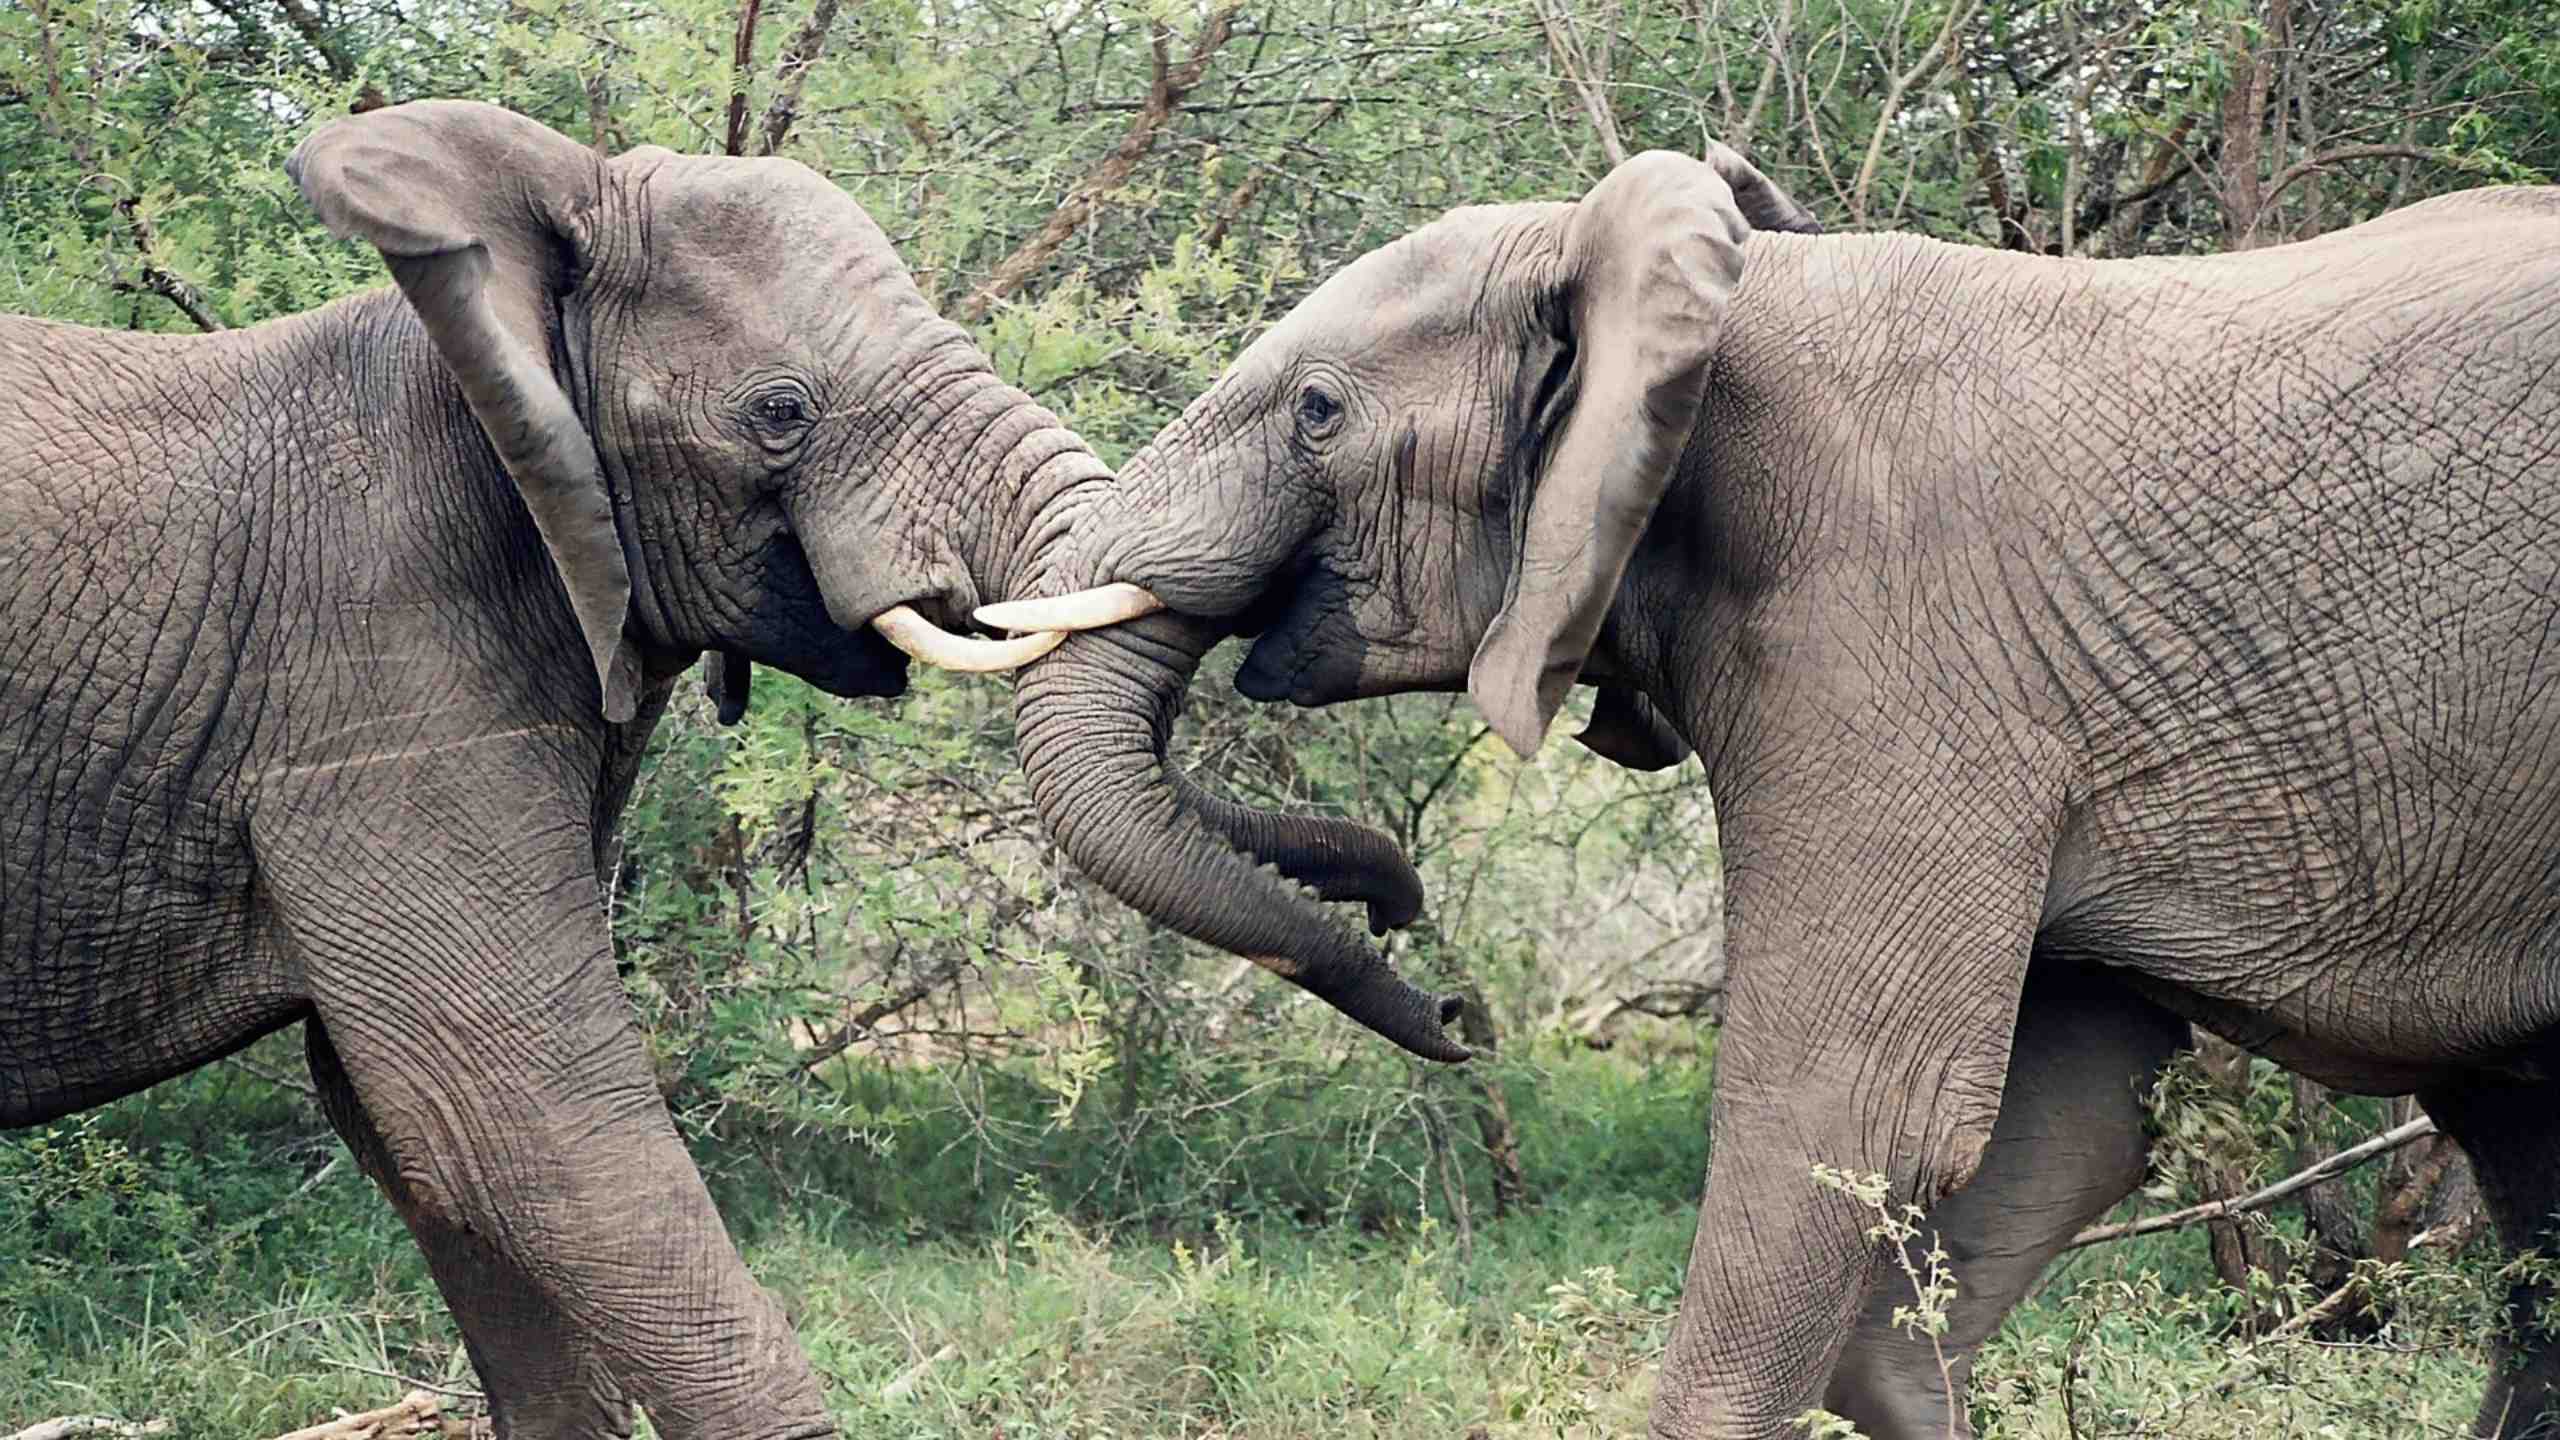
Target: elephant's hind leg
<point>541,1377</point>
<point>2511,1132</point>
<point>2068,1145</point>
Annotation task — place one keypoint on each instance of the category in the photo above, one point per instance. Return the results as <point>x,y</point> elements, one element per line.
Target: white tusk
<point>1084,610</point>
<point>901,626</point>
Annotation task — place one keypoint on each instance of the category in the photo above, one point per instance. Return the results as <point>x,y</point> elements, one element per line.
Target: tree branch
<point>158,279</point>
<point>1586,74</point>
<point>1243,195</point>
<point>1891,110</point>
<point>315,32</point>
<point>1164,96</point>
<point>65,1427</point>
<point>743,55</point>
<point>791,76</point>
<point>2303,169</point>
<point>2329,1169</point>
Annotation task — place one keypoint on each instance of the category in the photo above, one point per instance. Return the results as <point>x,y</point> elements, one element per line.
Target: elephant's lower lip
<point>871,669</point>
<point>1270,670</point>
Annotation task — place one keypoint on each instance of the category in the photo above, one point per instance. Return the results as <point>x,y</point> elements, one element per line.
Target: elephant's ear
<point>1650,259</point>
<point>473,208</point>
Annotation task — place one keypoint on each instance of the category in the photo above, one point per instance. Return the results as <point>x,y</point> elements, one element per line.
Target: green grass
<point>173,1257</point>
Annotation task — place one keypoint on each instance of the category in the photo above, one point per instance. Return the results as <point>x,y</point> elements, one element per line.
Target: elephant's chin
<point>1291,658</point>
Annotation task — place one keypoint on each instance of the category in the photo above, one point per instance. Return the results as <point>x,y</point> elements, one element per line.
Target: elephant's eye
<point>780,410</point>
<point>1316,409</point>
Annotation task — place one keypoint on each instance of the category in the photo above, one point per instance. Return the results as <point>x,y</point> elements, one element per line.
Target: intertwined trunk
<point>1093,721</point>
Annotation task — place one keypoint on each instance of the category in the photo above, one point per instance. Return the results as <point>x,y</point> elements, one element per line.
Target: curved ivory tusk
<point>901,626</point>
<point>1084,610</point>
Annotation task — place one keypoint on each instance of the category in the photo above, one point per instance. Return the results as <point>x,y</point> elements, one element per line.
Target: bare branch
<point>446,1391</point>
<point>2329,1169</point>
<point>2303,169</point>
<point>1889,113</point>
<point>1586,72</point>
<point>277,1078</point>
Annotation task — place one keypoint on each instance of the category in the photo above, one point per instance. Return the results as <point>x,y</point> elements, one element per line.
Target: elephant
<point>335,642</point>
<point>2077,652</point>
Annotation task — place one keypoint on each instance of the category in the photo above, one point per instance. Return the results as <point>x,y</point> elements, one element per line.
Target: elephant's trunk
<point>1339,859</point>
<point>1093,720</point>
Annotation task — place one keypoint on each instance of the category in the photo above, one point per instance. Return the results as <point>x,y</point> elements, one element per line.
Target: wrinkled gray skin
<point>2075,651</point>
<point>312,709</point>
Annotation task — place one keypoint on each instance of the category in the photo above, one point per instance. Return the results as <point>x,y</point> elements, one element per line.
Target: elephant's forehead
<point>1432,281</point>
<point>769,209</point>
<point>762,234</point>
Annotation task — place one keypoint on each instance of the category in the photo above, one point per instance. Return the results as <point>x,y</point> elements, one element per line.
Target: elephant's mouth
<point>862,667</point>
<point>1302,646</point>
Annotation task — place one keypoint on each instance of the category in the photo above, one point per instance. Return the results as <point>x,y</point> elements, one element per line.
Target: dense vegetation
<point>1021,1165</point>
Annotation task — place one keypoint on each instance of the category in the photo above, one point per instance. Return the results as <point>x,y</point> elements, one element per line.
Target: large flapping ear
<point>469,205</point>
<point>1650,259</point>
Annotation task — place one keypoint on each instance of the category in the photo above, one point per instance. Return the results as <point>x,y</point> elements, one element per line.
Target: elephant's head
<point>733,417</point>
<point>1431,473</point>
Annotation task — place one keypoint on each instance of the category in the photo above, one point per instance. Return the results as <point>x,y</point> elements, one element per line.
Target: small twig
<point>2336,1165</point>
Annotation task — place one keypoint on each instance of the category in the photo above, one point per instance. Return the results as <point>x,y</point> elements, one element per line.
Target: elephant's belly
<point>2358,987</point>
<point>128,953</point>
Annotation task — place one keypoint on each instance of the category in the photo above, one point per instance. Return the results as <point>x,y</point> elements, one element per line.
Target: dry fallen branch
<point>2336,1165</point>
<point>418,1413</point>
<point>64,1427</point>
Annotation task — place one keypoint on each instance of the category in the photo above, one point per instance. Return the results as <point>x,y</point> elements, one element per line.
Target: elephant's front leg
<point>467,988</point>
<point>543,1375</point>
<point>1879,927</point>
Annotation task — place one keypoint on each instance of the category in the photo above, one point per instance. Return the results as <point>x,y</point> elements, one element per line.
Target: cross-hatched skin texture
<point>328,649</point>
<point>2075,650</point>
